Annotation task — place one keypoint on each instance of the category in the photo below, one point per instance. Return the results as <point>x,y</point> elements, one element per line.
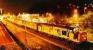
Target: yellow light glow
<point>49,17</point>
<point>35,20</point>
<point>1,18</point>
<point>75,18</point>
<point>26,17</point>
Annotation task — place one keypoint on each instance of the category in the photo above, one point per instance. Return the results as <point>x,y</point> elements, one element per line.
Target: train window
<point>58,31</point>
<point>64,32</point>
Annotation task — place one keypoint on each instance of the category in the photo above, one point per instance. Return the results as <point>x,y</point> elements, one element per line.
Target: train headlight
<point>76,29</point>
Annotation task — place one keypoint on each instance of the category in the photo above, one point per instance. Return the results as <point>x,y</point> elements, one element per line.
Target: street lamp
<point>85,8</point>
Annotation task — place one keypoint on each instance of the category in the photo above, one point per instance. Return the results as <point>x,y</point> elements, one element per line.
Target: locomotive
<point>66,32</point>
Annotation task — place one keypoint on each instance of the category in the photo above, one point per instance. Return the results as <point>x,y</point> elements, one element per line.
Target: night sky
<point>32,6</point>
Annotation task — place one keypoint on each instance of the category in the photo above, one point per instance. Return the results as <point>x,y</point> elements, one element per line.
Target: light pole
<point>85,8</point>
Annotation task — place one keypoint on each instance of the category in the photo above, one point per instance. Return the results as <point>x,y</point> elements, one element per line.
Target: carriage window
<point>64,32</point>
<point>58,31</point>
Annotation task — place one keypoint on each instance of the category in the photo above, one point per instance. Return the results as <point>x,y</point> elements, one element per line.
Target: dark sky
<point>40,5</point>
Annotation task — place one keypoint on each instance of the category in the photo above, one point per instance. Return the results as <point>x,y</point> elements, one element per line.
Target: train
<point>67,32</point>
<point>62,31</point>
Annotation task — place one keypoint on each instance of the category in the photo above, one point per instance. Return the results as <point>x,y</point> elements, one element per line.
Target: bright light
<point>75,15</point>
<point>35,20</point>
<point>49,17</point>
<point>85,8</point>
<point>39,20</point>
<point>75,18</point>
<point>75,11</point>
<point>1,10</point>
<point>1,17</point>
<point>26,17</point>
<point>43,20</point>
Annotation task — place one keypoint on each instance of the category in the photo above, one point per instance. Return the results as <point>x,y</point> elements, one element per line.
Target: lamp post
<point>85,8</point>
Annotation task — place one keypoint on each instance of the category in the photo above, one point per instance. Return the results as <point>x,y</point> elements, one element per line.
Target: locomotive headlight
<point>76,29</point>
